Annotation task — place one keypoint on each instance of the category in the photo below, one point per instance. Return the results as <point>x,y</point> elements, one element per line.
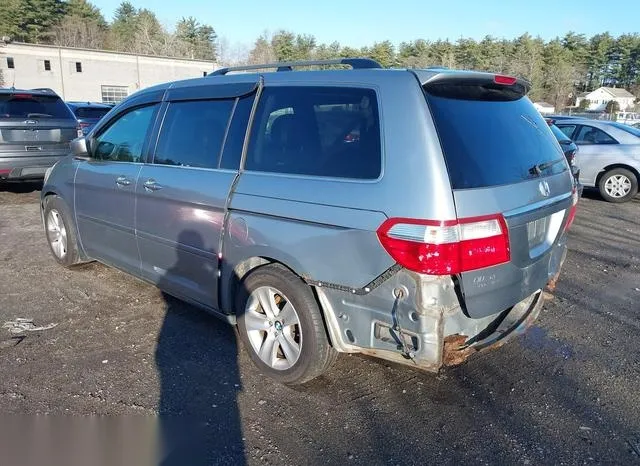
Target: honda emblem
<point>543,187</point>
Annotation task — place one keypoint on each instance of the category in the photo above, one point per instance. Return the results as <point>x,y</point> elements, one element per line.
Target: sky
<point>357,22</point>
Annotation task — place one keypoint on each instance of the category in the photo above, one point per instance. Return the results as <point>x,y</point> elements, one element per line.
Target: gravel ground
<point>565,393</point>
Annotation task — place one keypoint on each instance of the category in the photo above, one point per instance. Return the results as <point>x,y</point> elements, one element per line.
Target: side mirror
<point>79,148</point>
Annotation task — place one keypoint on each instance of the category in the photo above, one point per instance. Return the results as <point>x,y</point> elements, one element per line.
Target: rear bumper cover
<point>418,320</point>
<point>27,167</point>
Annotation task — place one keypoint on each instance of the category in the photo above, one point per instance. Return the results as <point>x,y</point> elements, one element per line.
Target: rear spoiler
<point>472,84</point>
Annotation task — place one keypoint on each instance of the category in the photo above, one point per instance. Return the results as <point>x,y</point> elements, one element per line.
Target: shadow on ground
<point>20,187</point>
<point>196,357</point>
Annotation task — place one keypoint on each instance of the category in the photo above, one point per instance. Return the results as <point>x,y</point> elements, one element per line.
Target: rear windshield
<point>91,112</point>
<point>560,136</point>
<point>493,142</point>
<point>629,129</point>
<point>33,106</point>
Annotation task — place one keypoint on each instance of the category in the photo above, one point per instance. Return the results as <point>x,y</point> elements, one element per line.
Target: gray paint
<point>205,223</point>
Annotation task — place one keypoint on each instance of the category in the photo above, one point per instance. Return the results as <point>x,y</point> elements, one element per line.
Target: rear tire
<point>60,232</point>
<point>281,326</point>
<point>618,185</point>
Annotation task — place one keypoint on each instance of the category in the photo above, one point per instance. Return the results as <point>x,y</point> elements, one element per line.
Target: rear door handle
<point>151,185</point>
<point>123,181</point>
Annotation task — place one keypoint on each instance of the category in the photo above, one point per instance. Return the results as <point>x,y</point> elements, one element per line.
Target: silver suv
<point>412,215</point>
<point>36,128</point>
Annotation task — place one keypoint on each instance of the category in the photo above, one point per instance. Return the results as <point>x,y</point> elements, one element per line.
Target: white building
<point>599,98</point>
<point>90,75</point>
<point>544,108</point>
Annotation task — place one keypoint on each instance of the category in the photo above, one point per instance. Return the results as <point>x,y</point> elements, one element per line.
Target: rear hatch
<point>89,116</point>
<point>510,181</point>
<point>33,124</point>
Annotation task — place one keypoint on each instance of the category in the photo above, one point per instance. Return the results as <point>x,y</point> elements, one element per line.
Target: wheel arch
<point>232,279</point>
<point>614,166</point>
<point>50,192</point>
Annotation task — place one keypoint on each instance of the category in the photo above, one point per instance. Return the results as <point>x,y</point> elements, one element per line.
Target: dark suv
<point>88,114</point>
<point>36,128</point>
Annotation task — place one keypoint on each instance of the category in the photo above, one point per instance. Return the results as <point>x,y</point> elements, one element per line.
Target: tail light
<point>446,247</point>
<point>574,208</point>
<point>506,80</point>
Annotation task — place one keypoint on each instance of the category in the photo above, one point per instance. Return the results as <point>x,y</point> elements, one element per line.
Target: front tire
<point>281,326</point>
<point>618,185</point>
<point>60,232</point>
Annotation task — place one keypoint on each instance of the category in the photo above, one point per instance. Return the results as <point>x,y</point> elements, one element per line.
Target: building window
<point>47,65</point>
<point>114,94</point>
<point>78,67</point>
<point>10,63</point>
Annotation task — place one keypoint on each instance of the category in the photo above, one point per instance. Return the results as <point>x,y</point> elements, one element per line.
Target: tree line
<point>558,69</point>
<point>78,23</point>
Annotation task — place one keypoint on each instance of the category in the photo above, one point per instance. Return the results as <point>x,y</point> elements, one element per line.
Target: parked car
<point>609,156</point>
<point>628,118</point>
<point>244,194</point>
<point>35,130</point>
<point>570,150</point>
<point>88,114</point>
<point>561,117</point>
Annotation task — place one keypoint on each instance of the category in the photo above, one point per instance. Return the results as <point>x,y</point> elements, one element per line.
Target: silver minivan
<point>412,215</point>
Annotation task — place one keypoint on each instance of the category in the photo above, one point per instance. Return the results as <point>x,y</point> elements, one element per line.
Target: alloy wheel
<point>57,233</point>
<point>273,328</point>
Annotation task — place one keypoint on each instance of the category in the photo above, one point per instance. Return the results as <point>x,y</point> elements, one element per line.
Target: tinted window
<point>318,131</point>
<point>91,112</point>
<point>493,142</point>
<point>33,106</point>
<point>560,136</point>
<point>591,135</point>
<point>568,129</point>
<point>237,131</point>
<point>192,133</point>
<point>123,140</point>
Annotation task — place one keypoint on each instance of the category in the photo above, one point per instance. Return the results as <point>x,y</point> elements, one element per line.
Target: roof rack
<point>354,63</point>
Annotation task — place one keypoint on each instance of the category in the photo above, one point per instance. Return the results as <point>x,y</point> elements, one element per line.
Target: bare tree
<point>232,54</point>
<point>74,31</point>
<point>262,51</point>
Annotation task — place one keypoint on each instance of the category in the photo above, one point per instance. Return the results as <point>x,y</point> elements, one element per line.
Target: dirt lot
<point>566,393</point>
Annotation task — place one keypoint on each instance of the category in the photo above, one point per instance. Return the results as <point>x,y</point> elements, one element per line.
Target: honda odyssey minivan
<point>327,211</point>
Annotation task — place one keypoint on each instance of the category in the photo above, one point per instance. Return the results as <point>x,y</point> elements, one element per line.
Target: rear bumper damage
<point>420,320</point>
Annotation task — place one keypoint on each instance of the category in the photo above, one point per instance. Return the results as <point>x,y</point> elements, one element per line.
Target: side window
<point>232,152</point>
<point>567,129</point>
<point>192,133</point>
<point>591,135</point>
<point>124,139</point>
<point>316,131</point>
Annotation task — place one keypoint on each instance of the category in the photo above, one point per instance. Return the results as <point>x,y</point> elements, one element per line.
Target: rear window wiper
<point>539,168</point>
<point>38,115</point>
